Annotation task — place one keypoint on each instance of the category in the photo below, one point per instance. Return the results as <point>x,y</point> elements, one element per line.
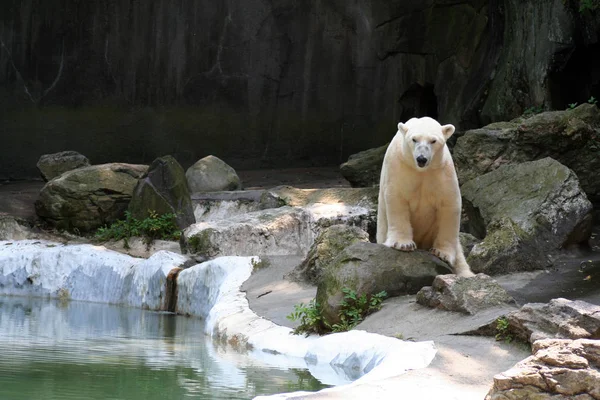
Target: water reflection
<point>54,350</point>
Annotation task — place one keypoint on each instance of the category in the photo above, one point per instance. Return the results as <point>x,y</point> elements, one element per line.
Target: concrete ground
<point>464,366</point>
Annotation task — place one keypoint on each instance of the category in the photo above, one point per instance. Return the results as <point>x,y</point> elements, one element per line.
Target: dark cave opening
<point>418,101</point>
<point>578,80</point>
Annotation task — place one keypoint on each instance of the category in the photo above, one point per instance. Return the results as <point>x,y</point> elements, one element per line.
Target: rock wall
<point>262,83</point>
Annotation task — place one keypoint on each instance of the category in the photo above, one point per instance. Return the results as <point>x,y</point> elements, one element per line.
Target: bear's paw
<point>408,245</point>
<point>445,256</point>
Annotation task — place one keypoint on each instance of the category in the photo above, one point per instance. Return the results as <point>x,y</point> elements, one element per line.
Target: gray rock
<point>330,242</point>
<point>276,231</point>
<point>467,242</point>
<point>211,174</point>
<point>570,137</point>
<point>13,228</point>
<point>87,198</point>
<point>557,370</point>
<point>164,190</point>
<point>369,268</point>
<point>364,169</point>
<point>466,295</point>
<point>53,165</point>
<point>560,318</point>
<point>526,212</point>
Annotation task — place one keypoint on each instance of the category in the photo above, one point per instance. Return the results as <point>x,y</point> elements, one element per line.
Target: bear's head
<point>424,140</point>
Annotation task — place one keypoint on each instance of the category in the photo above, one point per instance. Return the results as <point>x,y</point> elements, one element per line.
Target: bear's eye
<point>433,141</point>
<point>414,140</point>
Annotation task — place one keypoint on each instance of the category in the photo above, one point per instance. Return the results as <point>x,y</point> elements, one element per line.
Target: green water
<point>52,350</point>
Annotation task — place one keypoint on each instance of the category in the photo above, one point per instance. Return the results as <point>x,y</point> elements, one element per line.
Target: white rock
<point>276,231</point>
<point>211,290</point>
<point>84,272</point>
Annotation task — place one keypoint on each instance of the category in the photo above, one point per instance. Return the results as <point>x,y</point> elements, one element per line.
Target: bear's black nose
<point>421,161</point>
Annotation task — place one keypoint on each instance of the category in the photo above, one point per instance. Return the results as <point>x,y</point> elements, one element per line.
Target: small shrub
<point>310,317</point>
<point>502,330</point>
<point>588,5</point>
<point>532,111</point>
<point>354,309</point>
<point>151,228</point>
<point>258,265</point>
<point>592,100</point>
<point>572,106</point>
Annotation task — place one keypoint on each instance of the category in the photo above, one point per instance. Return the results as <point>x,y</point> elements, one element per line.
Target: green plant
<point>355,308</point>
<point>502,330</point>
<point>532,111</point>
<point>572,106</point>
<point>588,5</point>
<point>592,100</point>
<point>310,317</point>
<point>259,263</point>
<point>151,228</point>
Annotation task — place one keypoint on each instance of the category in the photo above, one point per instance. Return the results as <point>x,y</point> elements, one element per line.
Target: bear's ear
<point>447,131</point>
<point>403,129</point>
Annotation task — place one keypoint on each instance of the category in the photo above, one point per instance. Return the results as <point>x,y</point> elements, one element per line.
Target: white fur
<point>420,206</point>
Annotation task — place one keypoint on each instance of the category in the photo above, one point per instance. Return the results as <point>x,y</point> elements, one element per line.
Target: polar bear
<point>419,196</point>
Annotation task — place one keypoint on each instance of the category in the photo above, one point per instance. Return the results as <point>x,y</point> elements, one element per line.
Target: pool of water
<point>72,350</point>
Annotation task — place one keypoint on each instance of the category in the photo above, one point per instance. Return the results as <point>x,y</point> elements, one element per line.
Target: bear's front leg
<point>399,234</point>
<point>446,241</point>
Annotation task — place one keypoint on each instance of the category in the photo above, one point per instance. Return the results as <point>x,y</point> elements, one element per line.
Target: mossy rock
<point>526,212</point>
<point>364,169</point>
<point>164,190</point>
<point>369,268</point>
<point>211,174</point>
<point>87,198</point>
<point>330,242</point>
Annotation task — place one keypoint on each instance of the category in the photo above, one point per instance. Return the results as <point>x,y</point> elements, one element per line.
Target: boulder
<point>211,174</point>
<point>557,370</point>
<point>330,242</point>
<point>87,198</point>
<point>13,228</point>
<point>525,213</point>
<point>364,169</point>
<point>277,231</point>
<point>560,318</point>
<point>369,268</point>
<point>467,242</point>
<point>466,295</point>
<point>571,137</point>
<point>164,190</point>
<point>53,165</point>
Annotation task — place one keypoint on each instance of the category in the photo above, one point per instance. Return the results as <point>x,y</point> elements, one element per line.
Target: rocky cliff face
<point>273,81</point>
